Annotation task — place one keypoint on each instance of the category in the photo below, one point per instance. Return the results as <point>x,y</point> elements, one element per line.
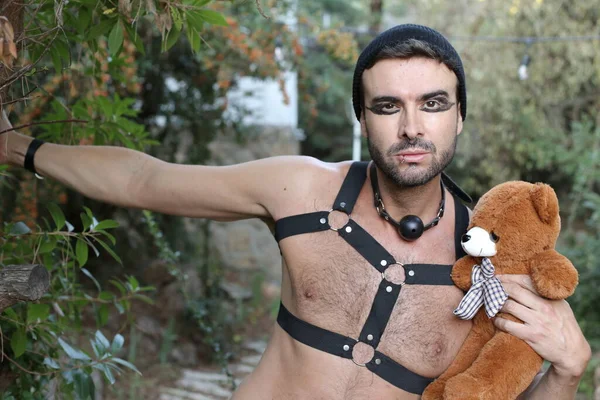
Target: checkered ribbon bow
<point>485,289</point>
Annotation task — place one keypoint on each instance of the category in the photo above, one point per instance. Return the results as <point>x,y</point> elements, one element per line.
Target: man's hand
<point>549,327</point>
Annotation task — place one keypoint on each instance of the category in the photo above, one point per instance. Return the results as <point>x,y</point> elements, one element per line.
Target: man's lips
<point>412,157</point>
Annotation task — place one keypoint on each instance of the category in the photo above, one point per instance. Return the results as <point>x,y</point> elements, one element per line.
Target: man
<point>366,296</point>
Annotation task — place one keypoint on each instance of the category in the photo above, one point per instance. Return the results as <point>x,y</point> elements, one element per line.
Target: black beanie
<point>400,34</point>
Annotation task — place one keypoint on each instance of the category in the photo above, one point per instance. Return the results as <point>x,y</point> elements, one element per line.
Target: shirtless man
<point>337,281</point>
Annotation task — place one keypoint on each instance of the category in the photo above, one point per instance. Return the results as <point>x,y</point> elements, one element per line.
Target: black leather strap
<point>313,336</point>
<point>381,310</point>
<point>302,223</point>
<point>396,374</point>
<point>461,223</point>
<point>33,146</point>
<point>342,346</point>
<point>353,183</point>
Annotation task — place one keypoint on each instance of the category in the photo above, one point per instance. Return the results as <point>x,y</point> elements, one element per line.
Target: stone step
<point>258,346</point>
<point>251,360</point>
<point>204,387</point>
<point>180,394</point>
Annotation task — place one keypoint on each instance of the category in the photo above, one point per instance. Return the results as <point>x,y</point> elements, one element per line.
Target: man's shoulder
<point>311,169</point>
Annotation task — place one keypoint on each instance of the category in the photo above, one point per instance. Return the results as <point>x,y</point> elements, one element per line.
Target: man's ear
<point>459,125</point>
<point>363,123</point>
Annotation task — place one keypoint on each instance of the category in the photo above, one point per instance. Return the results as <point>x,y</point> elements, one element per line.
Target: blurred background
<point>190,303</point>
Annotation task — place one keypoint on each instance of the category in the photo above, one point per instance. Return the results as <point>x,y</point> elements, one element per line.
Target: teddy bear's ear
<point>545,202</point>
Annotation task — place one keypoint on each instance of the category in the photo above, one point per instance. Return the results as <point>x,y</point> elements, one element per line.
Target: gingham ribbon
<point>485,289</point>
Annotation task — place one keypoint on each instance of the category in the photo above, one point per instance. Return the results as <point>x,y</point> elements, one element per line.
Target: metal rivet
<point>346,347</point>
<point>369,337</point>
<point>342,204</point>
<point>377,361</point>
<point>388,289</point>
<point>387,218</point>
<point>322,220</point>
<point>411,273</point>
<point>383,263</point>
<point>348,229</point>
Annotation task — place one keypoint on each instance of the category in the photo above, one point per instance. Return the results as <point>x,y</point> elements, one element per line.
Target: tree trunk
<point>22,283</point>
<point>376,16</point>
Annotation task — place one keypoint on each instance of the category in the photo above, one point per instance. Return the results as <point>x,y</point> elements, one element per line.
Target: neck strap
<point>409,227</point>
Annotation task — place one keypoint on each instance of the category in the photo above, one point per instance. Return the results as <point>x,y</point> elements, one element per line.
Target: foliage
<point>40,334</point>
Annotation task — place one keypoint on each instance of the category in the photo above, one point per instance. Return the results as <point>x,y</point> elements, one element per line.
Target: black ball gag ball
<point>411,228</point>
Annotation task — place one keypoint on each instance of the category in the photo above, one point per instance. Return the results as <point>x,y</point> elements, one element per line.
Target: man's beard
<point>407,179</point>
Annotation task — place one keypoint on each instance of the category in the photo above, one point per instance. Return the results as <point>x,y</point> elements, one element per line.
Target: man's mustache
<point>417,143</point>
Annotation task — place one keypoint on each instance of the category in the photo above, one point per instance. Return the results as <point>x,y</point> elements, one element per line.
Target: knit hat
<point>397,35</point>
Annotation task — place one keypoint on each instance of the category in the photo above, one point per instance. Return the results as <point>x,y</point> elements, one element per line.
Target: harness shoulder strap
<point>317,221</point>
<point>461,222</point>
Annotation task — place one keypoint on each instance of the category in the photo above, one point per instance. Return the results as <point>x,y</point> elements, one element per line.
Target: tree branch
<point>14,128</point>
<point>22,283</point>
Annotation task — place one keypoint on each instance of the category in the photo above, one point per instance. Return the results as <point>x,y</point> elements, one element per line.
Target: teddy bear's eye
<point>494,237</point>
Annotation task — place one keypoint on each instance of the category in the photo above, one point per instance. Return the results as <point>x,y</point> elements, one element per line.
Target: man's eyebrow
<point>431,95</point>
<point>423,97</point>
<point>386,99</point>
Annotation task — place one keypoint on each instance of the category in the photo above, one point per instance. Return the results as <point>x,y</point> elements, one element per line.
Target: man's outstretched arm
<point>131,178</point>
<point>550,328</point>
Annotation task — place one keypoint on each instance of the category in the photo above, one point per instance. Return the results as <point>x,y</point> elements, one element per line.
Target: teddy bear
<point>513,230</point>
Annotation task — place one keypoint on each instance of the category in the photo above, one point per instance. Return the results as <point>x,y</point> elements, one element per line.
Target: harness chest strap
<point>387,293</point>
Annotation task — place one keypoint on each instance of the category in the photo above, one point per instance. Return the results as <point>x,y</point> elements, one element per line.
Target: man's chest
<point>329,283</point>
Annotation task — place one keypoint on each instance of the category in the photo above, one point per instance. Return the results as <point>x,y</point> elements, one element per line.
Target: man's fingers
<point>518,310</point>
<point>523,296</point>
<point>521,280</point>
<point>514,328</point>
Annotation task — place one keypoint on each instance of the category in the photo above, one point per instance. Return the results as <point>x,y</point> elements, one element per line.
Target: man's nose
<point>465,238</point>
<point>412,126</point>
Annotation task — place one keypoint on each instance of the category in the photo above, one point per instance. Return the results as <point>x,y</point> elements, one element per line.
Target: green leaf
<point>37,311</point>
<point>57,215</point>
<point>56,60</point>
<point>81,252</point>
<point>102,315</point>
<point>102,340</point>
<point>100,29</point>
<point>107,373</point>
<point>171,39</point>
<point>19,228</point>
<point>135,38</point>
<point>75,354</point>
<point>117,343</point>
<point>193,38</point>
<point>86,221</point>
<point>115,39</point>
<point>213,17</point>
<point>51,363</point>
<point>84,385</point>
<point>110,251</point>
<point>89,275</point>
<point>106,224</point>
<point>10,313</point>
<point>126,364</point>
<point>48,244</point>
<point>177,18</point>
<point>18,342</point>
<point>133,282</point>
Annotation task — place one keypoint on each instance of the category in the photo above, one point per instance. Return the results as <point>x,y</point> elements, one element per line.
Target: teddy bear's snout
<point>476,242</point>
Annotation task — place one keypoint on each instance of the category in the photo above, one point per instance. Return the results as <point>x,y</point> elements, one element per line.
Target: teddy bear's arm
<point>553,275</point>
<point>503,369</point>
<point>461,272</point>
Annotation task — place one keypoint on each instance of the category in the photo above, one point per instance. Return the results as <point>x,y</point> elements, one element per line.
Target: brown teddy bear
<point>513,230</point>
